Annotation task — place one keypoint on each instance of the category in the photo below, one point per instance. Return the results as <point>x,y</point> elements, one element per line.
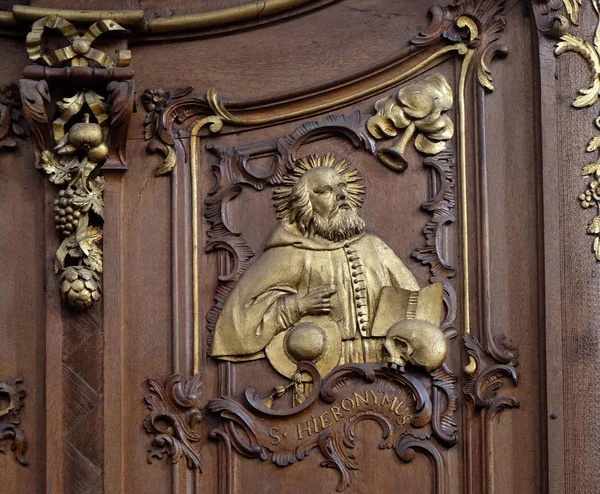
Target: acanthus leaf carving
<point>120,102</point>
<point>588,96</point>
<point>399,402</point>
<point>35,95</point>
<point>483,386</point>
<point>175,404</point>
<point>11,116</point>
<point>12,396</point>
<point>156,129</point>
<point>481,31</point>
<point>573,7</point>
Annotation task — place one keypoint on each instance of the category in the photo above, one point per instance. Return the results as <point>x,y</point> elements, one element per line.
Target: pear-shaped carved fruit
<point>85,135</point>
<point>98,153</point>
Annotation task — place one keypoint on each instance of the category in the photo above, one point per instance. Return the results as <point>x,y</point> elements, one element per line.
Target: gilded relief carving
<point>12,396</point>
<point>89,131</point>
<point>235,170</point>
<point>419,110</point>
<point>78,207</point>
<point>588,96</point>
<point>265,312</point>
<point>79,52</point>
<point>315,305</point>
<point>324,290</point>
<point>71,165</point>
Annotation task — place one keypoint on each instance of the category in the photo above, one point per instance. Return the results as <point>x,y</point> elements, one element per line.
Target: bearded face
<point>319,206</point>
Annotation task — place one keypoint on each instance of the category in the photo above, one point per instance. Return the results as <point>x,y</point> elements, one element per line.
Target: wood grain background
<point>543,279</point>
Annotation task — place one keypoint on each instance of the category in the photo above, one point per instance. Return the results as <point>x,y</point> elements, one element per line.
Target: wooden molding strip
<point>32,14</point>
<point>216,18</point>
<point>7,19</point>
<point>137,18</point>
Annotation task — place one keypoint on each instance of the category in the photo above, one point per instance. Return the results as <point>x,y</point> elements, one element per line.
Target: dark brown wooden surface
<point>538,268</point>
<point>580,315</point>
<point>22,309</point>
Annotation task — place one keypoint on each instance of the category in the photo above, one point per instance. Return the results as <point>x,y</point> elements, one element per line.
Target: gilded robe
<point>264,301</point>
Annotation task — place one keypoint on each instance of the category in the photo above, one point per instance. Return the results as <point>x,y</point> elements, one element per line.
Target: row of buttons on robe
<point>359,288</point>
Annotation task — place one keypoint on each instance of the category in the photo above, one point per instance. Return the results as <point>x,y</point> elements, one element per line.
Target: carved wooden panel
<point>266,164</point>
<point>326,246</point>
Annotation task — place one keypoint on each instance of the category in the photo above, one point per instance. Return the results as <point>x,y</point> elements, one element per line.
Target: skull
<point>416,342</point>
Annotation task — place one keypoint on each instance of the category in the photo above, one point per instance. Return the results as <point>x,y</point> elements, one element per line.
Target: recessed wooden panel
<point>493,214</point>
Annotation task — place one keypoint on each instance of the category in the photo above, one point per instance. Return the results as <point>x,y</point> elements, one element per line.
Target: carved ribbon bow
<point>79,51</point>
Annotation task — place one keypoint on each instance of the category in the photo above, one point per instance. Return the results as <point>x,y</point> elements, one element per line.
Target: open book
<point>396,305</point>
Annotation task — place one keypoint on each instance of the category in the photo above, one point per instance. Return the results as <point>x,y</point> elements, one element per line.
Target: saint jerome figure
<point>316,292</point>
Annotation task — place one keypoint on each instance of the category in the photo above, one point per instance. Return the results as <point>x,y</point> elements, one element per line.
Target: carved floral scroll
<point>12,396</point>
<point>588,96</point>
<point>399,402</point>
<point>12,122</point>
<point>175,417</point>
<point>417,109</point>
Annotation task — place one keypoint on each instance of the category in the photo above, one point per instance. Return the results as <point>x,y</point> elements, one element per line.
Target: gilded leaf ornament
<point>572,7</point>
<point>77,128</point>
<point>588,96</point>
<point>72,165</point>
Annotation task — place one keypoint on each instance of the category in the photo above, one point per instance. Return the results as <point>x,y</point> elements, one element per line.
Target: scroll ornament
<point>590,52</point>
<point>551,19</point>
<point>12,396</point>
<point>419,111</point>
<point>11,116</point>
<point>155,127</point>
<point>326,421</point>
<point>175,417</point>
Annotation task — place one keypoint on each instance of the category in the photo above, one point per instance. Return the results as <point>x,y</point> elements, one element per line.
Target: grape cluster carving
<point>73,164</point>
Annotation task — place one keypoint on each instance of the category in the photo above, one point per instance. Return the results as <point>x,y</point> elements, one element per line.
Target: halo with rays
<point>284,192</point>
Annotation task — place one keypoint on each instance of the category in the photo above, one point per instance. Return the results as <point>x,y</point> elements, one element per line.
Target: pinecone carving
<point>80,287</point>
